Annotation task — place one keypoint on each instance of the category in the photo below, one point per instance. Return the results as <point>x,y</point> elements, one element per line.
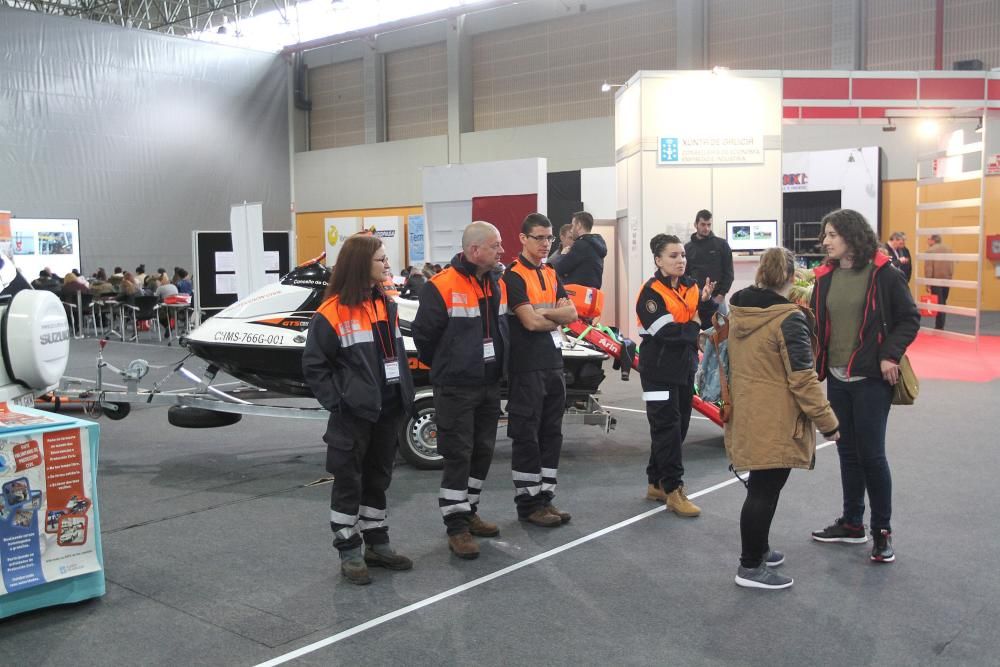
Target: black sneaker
<point>841,531</point>
<point>882,550</point>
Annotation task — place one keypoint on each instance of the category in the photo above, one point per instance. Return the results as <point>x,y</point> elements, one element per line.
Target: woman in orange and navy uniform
<point>667,309</point>
<point>355,363</point>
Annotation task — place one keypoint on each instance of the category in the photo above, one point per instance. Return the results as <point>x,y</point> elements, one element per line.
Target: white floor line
<point>409,609</point>
<point>642,412</point>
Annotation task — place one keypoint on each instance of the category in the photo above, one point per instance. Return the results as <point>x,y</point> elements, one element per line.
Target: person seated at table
<point>165,288</point>
<point>47,281</point>
<point>100,286</point>
<point>184,285</point>
<point>128,290</point>
<point>71,286</point>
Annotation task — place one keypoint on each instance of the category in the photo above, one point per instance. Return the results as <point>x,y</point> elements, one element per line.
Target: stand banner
<point>47,516</point>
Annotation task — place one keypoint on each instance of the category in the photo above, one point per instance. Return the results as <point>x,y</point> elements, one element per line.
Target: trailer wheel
<point>113,411</point>
<point>418,437</point>
<point>186,417</point>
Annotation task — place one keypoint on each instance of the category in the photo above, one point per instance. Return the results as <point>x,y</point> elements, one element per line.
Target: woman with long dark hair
<point>355,364</point>
<point>866,318</point>
<point>667,309</point>
<point>776,400</point>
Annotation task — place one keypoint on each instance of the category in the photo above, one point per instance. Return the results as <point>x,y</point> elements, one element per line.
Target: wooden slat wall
<point>338,113</point>
<point>770,34</point>
<point>552,71</point>
<point>416,82</point>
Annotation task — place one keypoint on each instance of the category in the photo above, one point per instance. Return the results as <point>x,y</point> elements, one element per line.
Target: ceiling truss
<point>173,17</point>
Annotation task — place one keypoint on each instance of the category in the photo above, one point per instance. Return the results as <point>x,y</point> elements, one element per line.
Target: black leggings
<point>758,510</point>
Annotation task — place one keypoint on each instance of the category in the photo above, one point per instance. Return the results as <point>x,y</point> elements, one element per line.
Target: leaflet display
<point>49,526</point>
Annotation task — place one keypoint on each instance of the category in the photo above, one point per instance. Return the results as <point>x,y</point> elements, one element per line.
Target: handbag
<point>721,325</point>
<point>928,298</point>
<point>905,391</point>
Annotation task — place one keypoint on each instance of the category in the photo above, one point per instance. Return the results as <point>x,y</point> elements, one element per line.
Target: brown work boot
<point>541,517</point>
<point>355,570</point>
<point>656,492</point>
<point>382,555</point>
<point>564,517</point>
<point>679,504</point>
<point>481,528</point>
<point>463,546</point>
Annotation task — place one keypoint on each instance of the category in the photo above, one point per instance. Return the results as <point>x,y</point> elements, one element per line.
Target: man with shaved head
<point>461,332</point>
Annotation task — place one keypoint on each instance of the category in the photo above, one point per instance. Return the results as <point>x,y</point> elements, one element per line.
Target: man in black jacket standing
<point>709,258</point>
<point>899,254</point>
<point>584,263</point>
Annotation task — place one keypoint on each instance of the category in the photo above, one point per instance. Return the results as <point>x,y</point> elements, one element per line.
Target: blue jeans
<point>862,408</point>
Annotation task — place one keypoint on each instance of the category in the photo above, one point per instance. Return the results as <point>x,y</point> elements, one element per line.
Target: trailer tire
<point>113,411</point>
<point>418,437</point>
<point>187,417</point>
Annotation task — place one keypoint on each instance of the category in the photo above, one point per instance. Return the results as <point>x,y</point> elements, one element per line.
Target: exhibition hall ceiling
<point>266,25</point>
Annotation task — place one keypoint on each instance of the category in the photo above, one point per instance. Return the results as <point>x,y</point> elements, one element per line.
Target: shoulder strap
<point>721,325</point>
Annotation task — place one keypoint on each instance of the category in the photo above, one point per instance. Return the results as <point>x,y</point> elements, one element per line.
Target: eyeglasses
<point>384,260</point>
<point>541,239</point>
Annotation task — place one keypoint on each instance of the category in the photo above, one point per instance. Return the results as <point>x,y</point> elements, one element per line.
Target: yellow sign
<point>332,235</point>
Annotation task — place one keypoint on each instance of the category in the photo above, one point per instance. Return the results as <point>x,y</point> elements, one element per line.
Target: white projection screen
<point>39,243</point>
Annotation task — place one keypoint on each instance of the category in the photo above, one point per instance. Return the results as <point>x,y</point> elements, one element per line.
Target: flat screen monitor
<point>752,234</point>
<point>37,243</point>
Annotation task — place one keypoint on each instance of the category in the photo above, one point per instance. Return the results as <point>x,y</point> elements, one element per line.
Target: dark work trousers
<point>466,435</point>
<point>360,455</point>
<point>537,400</point>
<point>668,409</point>
<point>763,490</point>
<point>862,408</point>
<point>942,295</point>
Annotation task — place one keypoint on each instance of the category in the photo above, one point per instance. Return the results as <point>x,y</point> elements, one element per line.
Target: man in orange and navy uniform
<point>537,390</point>
<point>461,332</point>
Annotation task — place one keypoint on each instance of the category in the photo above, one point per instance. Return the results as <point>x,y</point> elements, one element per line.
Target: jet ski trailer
<point>259,340</point>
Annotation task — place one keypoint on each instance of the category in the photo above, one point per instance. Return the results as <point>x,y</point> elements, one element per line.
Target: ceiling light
<point>929,128</point>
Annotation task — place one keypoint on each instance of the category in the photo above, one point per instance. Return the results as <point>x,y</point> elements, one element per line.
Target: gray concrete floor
<point>217,551</point>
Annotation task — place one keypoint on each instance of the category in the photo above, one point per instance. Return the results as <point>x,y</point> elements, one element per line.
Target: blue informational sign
<point>668,149</point>
<point>415,231</point>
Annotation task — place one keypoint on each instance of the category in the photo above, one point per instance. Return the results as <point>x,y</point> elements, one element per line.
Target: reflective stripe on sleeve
<point>660,323</point>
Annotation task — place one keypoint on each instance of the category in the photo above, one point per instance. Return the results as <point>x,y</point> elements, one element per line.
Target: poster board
<point>215,275</point>
<point>335,232</point>
<point>389,228</point>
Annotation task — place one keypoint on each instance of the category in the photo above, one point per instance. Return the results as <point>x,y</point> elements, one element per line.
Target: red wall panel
<point>506,213</point>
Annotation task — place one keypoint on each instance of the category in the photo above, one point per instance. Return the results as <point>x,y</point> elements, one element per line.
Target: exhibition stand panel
<point>50,530</point>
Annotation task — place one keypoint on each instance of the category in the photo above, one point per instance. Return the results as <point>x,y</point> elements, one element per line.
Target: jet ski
<point>259,339</point>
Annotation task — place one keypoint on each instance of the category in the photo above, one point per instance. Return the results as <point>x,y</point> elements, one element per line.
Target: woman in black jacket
<point>667,309</point>
<point>355,363</point>
<point>866,318</point>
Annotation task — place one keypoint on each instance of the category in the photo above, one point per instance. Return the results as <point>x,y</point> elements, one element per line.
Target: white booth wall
<point>654,198</point>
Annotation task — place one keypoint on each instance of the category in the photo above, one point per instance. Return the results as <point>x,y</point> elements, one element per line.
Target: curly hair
<point>856,232</point>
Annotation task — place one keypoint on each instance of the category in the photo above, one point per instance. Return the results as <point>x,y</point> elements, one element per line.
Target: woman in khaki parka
<point>776,398</point>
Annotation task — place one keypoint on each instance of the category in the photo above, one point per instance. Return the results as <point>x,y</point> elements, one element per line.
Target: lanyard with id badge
<point>489,353</point>
<point>391,363</point>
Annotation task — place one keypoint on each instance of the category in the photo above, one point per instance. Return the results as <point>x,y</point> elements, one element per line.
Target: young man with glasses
<point>538,307</point>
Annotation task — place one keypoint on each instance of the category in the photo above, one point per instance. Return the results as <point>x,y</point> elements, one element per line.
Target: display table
<point>50,532</point>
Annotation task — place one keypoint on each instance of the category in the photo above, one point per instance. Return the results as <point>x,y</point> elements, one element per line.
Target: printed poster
<point>415,229</point>
<point>47,512</point>
<point>389,228</point>
<point>335,232</point>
